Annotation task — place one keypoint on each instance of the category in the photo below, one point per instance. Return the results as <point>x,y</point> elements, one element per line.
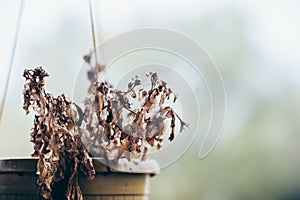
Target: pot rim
<point>28,165</point>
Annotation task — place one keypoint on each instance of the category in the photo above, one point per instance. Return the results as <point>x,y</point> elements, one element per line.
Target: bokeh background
<point>255,45</point>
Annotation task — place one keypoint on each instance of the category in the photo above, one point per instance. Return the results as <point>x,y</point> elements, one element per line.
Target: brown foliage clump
<point>55,137</point>
<point>112,128</point>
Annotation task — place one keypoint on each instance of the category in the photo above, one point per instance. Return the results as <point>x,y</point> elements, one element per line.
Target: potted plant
<point>93,152</point>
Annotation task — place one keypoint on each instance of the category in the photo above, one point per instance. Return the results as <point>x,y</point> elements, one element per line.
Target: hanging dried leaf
<point>56,138</point>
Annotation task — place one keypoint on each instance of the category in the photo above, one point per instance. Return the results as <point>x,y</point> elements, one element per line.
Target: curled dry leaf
<point>94,69</point>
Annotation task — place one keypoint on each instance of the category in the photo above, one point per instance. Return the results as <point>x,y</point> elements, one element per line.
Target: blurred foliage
<point>261,162</point>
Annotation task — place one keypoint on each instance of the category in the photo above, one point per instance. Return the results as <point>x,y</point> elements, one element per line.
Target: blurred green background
<point>256,47</point>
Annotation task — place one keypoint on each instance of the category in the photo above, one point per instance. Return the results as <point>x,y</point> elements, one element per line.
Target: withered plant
<point>110,126</point>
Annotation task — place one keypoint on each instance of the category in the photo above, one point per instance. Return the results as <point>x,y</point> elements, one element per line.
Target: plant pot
<point>18,181</point>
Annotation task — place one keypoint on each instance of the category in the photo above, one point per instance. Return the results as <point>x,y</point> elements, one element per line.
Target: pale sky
<point>273,26</point>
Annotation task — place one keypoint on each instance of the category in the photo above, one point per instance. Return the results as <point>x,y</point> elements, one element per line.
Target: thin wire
<point>94,38</point>
<point>12,57</point>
